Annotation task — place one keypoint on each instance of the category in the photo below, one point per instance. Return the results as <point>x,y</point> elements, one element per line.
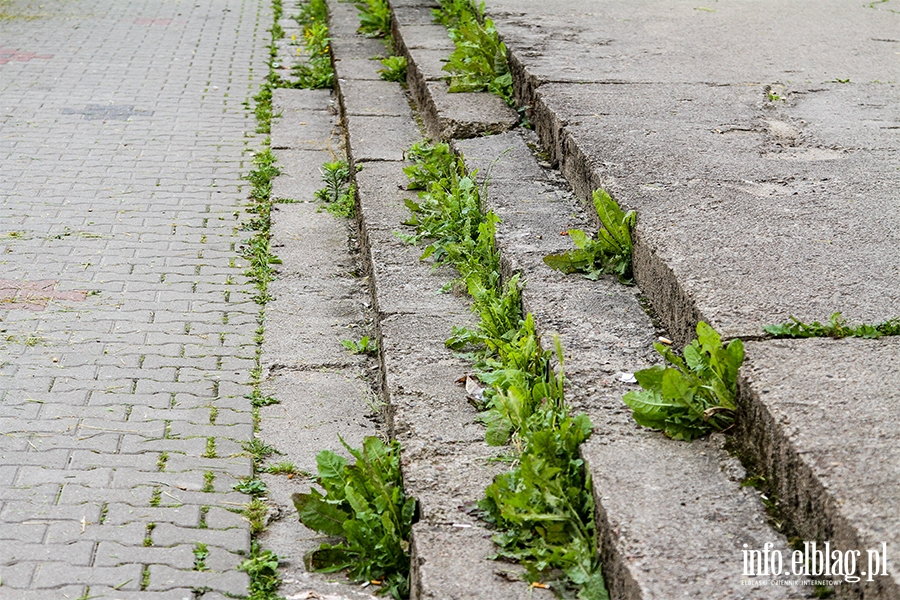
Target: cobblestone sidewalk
<point>126,337</point>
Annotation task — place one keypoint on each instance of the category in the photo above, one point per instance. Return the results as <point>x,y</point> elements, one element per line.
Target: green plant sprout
<point>609,253</point>
<point>696,393</point>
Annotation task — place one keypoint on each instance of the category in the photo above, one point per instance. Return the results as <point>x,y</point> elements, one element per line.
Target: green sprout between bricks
<point>543,509</point>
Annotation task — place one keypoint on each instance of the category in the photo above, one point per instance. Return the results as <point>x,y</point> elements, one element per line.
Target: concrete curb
<point>812,500</point>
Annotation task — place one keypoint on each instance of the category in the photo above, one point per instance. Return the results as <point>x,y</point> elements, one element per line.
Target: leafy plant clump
<point>364,504</point>
<point>257,249</point>
<point>479,61</point>
<point>696,394</point>
<point>262,566</point>
<point>543,509</point>
<point>394,69</point>
<point>609,253</point>
<point>836,327</point>
<point>374,18</point>
<point>316,72</point>
<point>339,194</point>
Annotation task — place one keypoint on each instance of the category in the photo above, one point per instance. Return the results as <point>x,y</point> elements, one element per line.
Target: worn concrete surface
<point>828,440</point>
<point>446,116</point>
<point>764,178</point>
<point>752,169</point>
<point>446,463</point>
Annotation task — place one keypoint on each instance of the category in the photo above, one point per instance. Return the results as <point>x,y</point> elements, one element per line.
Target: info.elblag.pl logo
<point>816,560</point>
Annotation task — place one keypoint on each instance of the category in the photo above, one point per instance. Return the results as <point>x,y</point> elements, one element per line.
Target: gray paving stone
<point>54,574</point>
<point>163,577</point>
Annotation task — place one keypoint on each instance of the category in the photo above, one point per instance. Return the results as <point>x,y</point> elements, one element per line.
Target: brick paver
<point>126,326</point>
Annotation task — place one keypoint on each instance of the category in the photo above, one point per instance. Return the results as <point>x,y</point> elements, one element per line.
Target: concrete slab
<point>739,199</point>
<point>362,97</point>
<point>386,209</point>
<point>359,68</point>
<point>427,65</point>
<point>446,559</point>
<point>301,173</point>
<point>461,114</point>
<point>431,36</point>
<point>819,415</point>
<point>289,99</point>
<point>356,48</point>
<point>316,407</point>
<point>303,130</point>
<point>381,138</point>
<point>588,41</point>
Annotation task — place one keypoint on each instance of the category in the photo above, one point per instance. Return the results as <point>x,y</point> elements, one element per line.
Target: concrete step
<point>445,460</point>
<point>426,46</point>
<point>671,516</point>
<point>323,390</point>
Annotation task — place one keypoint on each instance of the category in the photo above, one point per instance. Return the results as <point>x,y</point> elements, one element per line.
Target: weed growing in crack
<point>479,62</point>
<point>250,486</point>
<point>609,253</point>
<point>339,194</point>
<point>374,18</point>
<point>316,72</point>
<point>201,553</point>
<point>544,507</point>
<point>285,468</point>
<point>208,479</point>
<point>363,346</point>
<point>696,394</point>
<point>837,327</point>
<point>394,69</point>
<point>255,512</point>
<point>258,399</point>
<point>364,504</point>
<point>258,449</point>
<point>262,567</point>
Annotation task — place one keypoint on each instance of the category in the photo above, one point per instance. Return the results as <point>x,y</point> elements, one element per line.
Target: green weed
<point>262,567</point>
<point>479,61</point>
<point>836,327</point>
<point>394,69</point>
<point>255,512</point>
<point>316,72</point>
<point>258,399</point>
<point>364,504</point>
<point>201,553</point>
<point>609,253</point>
<point>251,486</point>
<point>363,346</point>
<point>258,449</point>
<point>338,194</point>
<point>696,394</point>
<point>284,468</point>
<point>374,18</point>
<point>543,508</point>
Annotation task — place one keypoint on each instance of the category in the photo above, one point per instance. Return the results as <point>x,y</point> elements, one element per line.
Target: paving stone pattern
<point>127,325</point>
